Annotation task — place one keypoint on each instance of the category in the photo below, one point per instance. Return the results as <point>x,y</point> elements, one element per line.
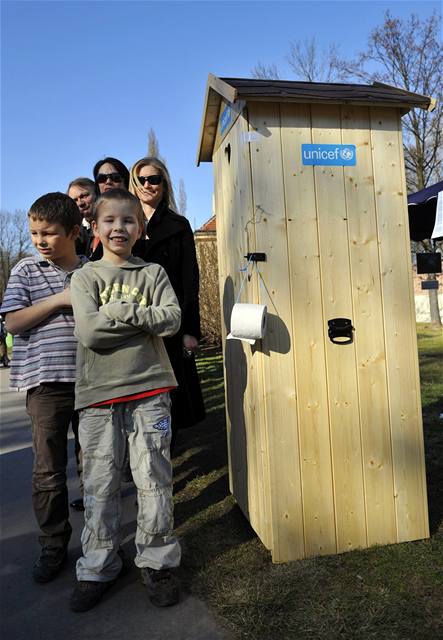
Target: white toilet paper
<point>248,322</point>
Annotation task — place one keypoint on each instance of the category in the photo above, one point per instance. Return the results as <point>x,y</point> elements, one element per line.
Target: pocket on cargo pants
<point>103,445</point>
<point>151,464</point>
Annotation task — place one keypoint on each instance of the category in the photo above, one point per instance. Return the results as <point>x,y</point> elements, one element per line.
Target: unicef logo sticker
<point>347,154</point>
<point>338,155</point>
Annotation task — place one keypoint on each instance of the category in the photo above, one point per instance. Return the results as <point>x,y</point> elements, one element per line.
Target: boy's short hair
<point>120,195</point>
<point>85,183</point>
<point>56,207</point>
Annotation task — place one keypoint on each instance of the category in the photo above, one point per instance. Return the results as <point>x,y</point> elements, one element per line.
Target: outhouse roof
<point>242,89</point>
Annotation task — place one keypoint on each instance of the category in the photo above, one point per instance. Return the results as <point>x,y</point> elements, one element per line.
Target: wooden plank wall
<point>308,335</point>
<point>247,438</point>
<point>400,332</point>
<point>230,279</point>
<point>279,396</point>
<point>370,342</point>
<point>344,422</point>
<point>326,445</point>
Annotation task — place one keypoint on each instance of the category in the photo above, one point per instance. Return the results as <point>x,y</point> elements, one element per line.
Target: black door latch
<point>340,331</point>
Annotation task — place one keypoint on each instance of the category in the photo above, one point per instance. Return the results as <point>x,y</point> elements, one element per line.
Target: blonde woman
<point>169,242</point>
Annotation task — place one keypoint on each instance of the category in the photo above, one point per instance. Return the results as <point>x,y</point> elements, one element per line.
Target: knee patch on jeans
<point>155,513</point>
<point>101,477</point>
<point>91,542</point>
<point>102,519</point>
<point>152,471</point>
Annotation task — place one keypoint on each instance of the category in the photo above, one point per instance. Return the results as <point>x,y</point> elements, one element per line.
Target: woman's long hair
<point>168,191</point>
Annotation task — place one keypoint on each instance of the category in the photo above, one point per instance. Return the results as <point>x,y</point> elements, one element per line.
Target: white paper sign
<point>438,227</point>
<point>251,136</point>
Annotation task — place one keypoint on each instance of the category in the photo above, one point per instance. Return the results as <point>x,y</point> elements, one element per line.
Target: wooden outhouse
<point>324,418</point>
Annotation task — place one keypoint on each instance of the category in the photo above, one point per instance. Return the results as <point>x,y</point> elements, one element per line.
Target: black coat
<point>83,243</point>
<point>171,244</point>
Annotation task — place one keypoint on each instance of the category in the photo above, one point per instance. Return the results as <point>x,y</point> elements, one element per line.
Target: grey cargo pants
<point>146,426</point>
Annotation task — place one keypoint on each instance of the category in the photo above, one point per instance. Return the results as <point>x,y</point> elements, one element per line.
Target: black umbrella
<point>422,207</point>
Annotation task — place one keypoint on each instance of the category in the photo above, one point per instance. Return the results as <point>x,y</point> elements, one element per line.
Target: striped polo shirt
<point>46,352</point>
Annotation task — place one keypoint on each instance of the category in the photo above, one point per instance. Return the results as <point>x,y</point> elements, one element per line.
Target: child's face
<point>118,228</point>
<point>51,240</point>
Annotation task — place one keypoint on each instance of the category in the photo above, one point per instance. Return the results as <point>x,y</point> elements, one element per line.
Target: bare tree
<point>263,72</point>
<point>310,63</point>
<point>153,148</point>
<point>182,198</point>
<point>405,53</point>
<point>15,243</point>
<point>409,54</point>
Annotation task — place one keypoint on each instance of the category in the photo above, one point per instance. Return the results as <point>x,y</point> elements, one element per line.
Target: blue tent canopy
<point>422,207</point>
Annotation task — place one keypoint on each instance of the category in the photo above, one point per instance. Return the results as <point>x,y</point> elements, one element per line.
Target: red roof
<point>210,225</point>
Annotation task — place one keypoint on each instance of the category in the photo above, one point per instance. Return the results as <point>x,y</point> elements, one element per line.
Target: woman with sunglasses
<point>169,241</point>
<point>110,173</point>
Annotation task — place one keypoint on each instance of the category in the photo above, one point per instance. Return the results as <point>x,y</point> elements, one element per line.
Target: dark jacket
<point>171,244</point>
<point>83,245</point>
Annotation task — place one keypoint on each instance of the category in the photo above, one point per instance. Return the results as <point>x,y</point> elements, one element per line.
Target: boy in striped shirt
<point>37,304</point>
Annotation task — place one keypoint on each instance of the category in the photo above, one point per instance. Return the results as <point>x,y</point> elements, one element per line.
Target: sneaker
<point>49,564</point>
<point>77,505</point>
<point>163,587</point>
<point>87,594</point>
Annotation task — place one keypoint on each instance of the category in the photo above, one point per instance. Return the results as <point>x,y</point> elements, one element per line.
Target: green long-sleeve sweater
<point>121,313</point>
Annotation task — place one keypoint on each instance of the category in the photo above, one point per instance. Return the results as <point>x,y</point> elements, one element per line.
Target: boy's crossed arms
<point>24,319</point>
<point>101,326</point>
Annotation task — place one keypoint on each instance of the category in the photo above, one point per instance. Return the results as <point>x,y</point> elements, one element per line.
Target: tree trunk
<point>433,305</point>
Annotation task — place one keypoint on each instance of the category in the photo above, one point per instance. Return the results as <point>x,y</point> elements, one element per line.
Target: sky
<point>85,79</point>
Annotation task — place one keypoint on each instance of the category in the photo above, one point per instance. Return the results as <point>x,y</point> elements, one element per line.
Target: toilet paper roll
<point>248,322</point>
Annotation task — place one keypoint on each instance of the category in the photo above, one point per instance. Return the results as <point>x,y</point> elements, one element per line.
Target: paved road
<point>40,612</point>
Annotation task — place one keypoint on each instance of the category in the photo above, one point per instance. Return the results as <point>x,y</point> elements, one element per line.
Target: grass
<point>393,592</point>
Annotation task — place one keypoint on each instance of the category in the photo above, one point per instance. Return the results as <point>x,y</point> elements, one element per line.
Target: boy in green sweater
<point>122,309</point>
